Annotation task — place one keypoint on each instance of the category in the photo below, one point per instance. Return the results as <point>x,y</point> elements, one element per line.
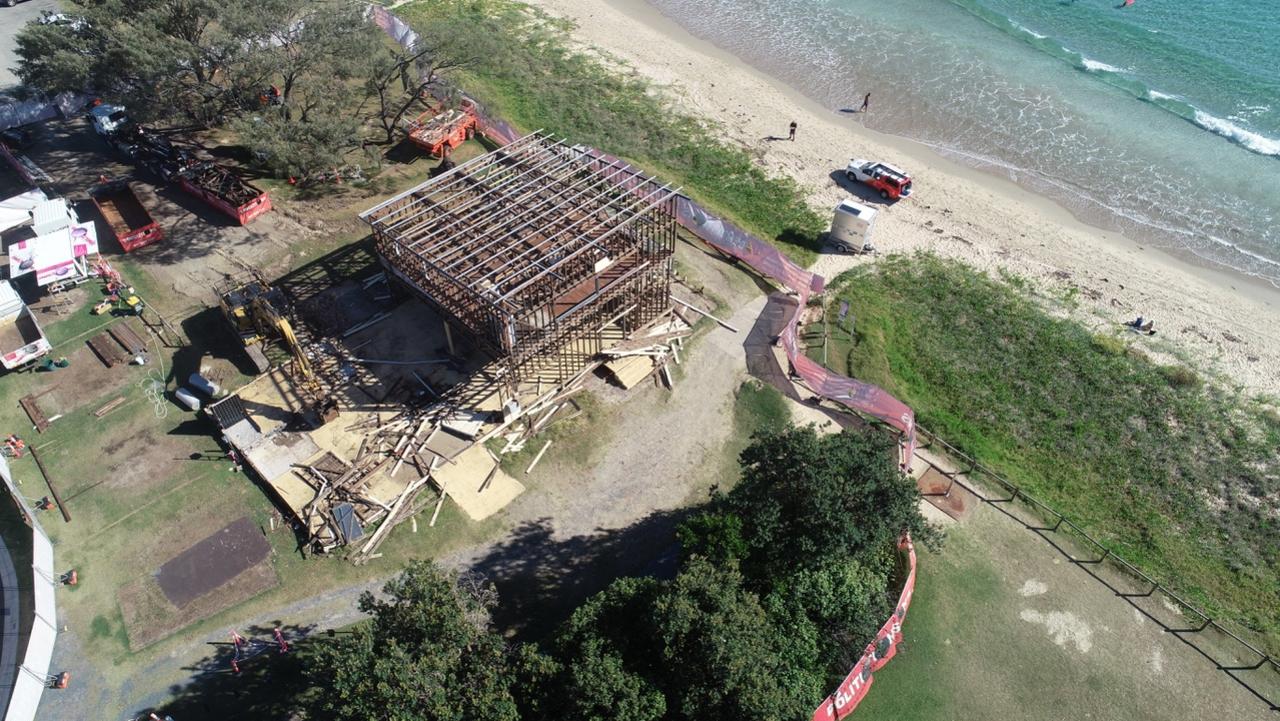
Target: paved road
<point>11,21</point>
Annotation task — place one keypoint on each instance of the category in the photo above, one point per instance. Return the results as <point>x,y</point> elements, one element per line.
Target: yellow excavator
<point>258,313</point>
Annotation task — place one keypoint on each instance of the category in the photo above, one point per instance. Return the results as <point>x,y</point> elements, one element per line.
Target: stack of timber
<point>633,361</point>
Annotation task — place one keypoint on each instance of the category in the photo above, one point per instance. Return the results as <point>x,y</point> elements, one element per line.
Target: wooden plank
<point>702,312</point>
<point>34,412</point>
<point>66,515</point>
<point>125,336</point>
<point>107,350</point>
<point>536,458</point>
<point>110,405</point>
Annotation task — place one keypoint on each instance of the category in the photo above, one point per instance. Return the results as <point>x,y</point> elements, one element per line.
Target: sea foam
<point>1098,66</point>
<point>1256,142</point>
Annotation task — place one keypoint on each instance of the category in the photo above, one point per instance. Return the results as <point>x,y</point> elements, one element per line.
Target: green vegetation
<point>522,66</point>
<point>735,634</point>
<point>1173,473</point>
<point>760,408</point>
<point>427,653</point>
<point>302,85</point>
<point>579,435</point>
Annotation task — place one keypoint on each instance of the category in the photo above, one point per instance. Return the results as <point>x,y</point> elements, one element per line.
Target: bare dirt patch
<point>212,562</point>
<point>1065,628</point>
<point>132,459</point>
<point>149,616</point>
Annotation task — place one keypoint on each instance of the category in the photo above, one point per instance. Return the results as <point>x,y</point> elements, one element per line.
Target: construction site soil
<point>212,561</point>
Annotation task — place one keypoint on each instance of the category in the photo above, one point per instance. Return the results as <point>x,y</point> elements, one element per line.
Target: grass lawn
<point>141,488</point>
<point>1175,474</point>
<point>998,630</point>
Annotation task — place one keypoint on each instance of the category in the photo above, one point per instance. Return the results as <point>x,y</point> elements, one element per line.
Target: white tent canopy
<point>17,210</point>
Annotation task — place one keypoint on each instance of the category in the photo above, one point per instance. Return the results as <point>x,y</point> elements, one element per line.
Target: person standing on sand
<point>792,136</point>
<point>866,103</point>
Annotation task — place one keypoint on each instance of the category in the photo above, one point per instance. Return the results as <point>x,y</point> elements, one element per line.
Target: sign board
<point>56,256</point>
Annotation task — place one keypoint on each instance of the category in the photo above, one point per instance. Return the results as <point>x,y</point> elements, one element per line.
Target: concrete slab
<point>276,455</point>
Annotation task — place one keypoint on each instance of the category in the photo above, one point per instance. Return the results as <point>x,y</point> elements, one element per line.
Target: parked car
<point>892,182</point>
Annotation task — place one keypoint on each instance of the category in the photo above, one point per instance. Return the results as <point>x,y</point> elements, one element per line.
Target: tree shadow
<point>269,685</point>
<point>541,579</point>
<point>404,153</point>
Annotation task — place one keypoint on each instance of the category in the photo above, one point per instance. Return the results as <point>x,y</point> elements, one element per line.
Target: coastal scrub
<point>1172,472</point>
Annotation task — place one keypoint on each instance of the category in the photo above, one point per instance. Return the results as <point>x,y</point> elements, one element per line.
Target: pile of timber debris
<point>631,362</point>
<point>426,437</point>
<point>347,501</point>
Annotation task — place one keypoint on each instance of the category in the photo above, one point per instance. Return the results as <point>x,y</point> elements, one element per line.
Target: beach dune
<point>1220,323</point>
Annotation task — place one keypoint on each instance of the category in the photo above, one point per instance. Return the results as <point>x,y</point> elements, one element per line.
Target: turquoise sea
<point>1161,119</point>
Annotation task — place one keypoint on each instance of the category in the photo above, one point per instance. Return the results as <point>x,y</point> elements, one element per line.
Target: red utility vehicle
<point>892,182</point>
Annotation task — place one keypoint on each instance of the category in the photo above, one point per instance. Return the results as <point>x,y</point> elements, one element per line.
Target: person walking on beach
<point>792,136</point>
<point>866,103</point>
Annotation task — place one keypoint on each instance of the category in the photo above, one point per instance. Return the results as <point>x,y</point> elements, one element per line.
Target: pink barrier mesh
<point>851,691</point>
<point>769,261</point>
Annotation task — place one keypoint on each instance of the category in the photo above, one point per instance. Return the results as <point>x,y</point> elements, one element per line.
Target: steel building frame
<point>535,249</point>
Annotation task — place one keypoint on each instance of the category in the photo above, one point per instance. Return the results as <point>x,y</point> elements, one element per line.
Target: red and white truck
<point>21,339</point>
<point>132,225</point>
<point>890,181</point>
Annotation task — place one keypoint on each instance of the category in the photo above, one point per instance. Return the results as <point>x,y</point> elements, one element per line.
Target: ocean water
<point>1161,120</point>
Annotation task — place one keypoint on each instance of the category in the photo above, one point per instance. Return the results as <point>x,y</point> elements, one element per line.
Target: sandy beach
<point>1221,323</point>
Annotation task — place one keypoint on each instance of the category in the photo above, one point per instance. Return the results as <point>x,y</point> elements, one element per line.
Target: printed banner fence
<point>30,680</point>
<point>883,647</point>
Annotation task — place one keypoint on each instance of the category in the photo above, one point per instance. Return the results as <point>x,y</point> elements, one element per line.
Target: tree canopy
<point>426,653</point>
<point>805,498</point>
<point>293,78</point>
<point>740,631</point>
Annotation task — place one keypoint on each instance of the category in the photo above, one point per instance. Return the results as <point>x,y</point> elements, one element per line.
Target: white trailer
<point>21,339</point>
<point>851,227</point>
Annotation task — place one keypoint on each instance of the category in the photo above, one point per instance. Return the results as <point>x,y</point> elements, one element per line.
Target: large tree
<point>288,75</point>
<point>427,653</point>
<point>805,498</point>
<point>725,656</point>
<point>609,656</point>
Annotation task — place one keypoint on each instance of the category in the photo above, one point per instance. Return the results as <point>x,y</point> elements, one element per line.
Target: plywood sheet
<point>466,475</point>
<point>630,370</point>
